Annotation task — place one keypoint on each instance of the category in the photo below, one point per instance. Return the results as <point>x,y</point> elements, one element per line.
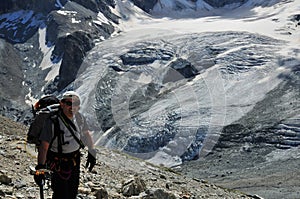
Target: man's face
<point>70,106</point>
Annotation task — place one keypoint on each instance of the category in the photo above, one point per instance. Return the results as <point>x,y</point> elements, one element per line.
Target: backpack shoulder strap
<point>70,125</point>
<point>57,133</point>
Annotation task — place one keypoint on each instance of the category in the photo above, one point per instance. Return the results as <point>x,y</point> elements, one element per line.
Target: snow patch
<point>53,72</point>
<point>29,99</point>
<point>42,40</point>
<point>75,20</point>
<point>101,19</point>
<point>46,62</point>
<point>66,12</point>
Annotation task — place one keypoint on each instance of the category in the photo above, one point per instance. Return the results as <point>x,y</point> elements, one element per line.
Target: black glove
<point>39,177</point>
<point>91,161</point>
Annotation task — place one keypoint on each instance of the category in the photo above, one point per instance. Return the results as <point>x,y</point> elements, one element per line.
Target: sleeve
<point>46,134</point>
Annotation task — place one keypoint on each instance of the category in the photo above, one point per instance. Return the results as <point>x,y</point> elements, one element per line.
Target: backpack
<point>46,107</point>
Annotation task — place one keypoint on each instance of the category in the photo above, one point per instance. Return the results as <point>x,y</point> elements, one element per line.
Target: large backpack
<point>46,107</point>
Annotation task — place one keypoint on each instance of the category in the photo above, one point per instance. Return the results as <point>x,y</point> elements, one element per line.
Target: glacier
<point>142,111</point>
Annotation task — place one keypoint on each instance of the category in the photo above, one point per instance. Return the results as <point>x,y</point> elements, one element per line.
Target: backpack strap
<point>57,134</point>
<point>70,125</point>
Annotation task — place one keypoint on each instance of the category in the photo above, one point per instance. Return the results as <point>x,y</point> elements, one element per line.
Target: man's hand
<point>91,161</point>
<point>39,177</point>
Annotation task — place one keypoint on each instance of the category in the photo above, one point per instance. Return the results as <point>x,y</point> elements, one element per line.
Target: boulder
<point>158,194</point>
<point>180,69</point>
<point>4,179</point>
<point>133,187</point>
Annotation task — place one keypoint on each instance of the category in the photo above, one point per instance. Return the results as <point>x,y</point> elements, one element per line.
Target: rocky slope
<point>116,175</point>
<point>261,169</point>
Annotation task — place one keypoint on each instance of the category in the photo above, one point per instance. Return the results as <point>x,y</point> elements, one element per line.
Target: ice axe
<point>47,173</point>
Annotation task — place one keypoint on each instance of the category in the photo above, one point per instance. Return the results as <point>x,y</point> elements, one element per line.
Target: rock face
<point>72,42</point>
<point>10,72</point>
<point>11,76</point>
<point>145,5</point>
<point>115,175</point>
<point>71,30</point>
<point>44,6</point>
<point>72,27</point>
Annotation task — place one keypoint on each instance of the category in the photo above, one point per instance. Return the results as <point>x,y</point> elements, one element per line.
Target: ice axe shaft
<point>41,191</point>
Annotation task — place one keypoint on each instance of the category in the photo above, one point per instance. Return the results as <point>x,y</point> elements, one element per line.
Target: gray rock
<point>101,194</point>
<point>4,191</point>
<point>4,179</point>
<point>20,184</point>
<point>158,194</point>
<point>133,187</point>
<point>180,69</point>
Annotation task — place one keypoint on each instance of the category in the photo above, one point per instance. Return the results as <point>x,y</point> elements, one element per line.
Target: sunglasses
<point>69,103</point>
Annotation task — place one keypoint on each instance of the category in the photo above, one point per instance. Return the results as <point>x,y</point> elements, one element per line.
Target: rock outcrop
<point>145,5</point>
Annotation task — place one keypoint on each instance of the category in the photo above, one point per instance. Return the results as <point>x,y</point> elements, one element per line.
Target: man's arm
<point>91,158</point>
<point>42,154</point>
<point>88,141</point>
